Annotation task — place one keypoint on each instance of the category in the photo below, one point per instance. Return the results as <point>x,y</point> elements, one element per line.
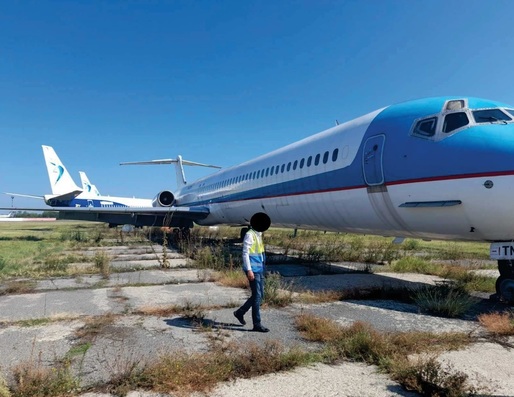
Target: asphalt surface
<point>43,326</point>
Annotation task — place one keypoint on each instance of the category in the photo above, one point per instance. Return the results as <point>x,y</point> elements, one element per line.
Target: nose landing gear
<point>505,283</point>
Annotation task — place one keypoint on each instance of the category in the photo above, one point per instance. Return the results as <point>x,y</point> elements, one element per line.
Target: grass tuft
<point>447,299</point>
<point>277,293</point>
<point>34,380</point>
<point>430,378</point>
<point>317,329</point>
<point>498,323</point>
<point>102,262</point>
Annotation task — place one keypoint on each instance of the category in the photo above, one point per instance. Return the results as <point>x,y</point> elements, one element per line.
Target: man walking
<point>254,260</point>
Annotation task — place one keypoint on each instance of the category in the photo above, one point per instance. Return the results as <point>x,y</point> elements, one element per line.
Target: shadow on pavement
<point>198,324</point>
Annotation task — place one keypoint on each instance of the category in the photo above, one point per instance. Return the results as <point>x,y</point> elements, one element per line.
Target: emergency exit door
<point>372,160</point>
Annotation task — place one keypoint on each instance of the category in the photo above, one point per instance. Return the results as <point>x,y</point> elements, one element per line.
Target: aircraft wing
<point>137,216</point>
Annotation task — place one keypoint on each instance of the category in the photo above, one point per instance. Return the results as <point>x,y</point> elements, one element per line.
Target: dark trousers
<point>254,301</point>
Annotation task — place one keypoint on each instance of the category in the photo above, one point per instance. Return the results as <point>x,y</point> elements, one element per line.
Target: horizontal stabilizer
<point>169,161</point>
<point>65,196</point>
<point>24,195</point>
<point>179,163</point>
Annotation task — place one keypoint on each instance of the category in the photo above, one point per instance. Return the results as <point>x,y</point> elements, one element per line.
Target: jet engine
<point>163,199</point>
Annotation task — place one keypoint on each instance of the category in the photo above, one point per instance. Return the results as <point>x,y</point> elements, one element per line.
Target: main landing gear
<point>505,283</point>
<point>181,234</point>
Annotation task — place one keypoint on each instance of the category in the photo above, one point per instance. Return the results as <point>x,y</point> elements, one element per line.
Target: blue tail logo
<point>60,171</point>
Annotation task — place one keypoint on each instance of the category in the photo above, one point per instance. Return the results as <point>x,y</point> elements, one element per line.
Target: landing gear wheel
<point>506,288</point>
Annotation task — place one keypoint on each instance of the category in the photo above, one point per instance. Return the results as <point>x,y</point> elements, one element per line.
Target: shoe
<point>240,317</point>
<point>260,328</point>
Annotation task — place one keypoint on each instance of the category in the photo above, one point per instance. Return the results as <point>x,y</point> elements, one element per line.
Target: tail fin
<point>60,179</point>
<point>88,188</point>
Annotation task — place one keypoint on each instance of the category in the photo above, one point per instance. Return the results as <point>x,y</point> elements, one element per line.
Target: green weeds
<point>447,299</point>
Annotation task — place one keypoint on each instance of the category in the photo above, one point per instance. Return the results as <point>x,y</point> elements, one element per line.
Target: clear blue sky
<point>222,81</point>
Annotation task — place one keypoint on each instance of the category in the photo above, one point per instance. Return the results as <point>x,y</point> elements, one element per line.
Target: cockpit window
<point>454,121</point>
<point>426,127</point>
<point>510,111</point>
<point>490,116</point>
<point>456,104</point>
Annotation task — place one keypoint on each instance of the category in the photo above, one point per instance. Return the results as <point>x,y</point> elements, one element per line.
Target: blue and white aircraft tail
<point>61,183</point>
<point>433,168</point>
<point>87,186</point>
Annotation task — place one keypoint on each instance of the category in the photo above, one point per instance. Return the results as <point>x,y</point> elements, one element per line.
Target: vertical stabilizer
<point>60,179</point>
<point>179,170</point>
<point>87,186</point>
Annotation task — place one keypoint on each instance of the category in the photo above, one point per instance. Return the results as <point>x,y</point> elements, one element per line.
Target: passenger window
<point>267,171</point>
<point>288,166</point>
<point>490,116</point>
<point>282,168</point>
<point>302,162</point>
<point>316,160</point>
<point>334,154</point>
<point>295,164</point>
<point>455,121</point>
<point>325,157</point>
<point>426,127</point>
<point>309,161</point>
<point>272,170</point>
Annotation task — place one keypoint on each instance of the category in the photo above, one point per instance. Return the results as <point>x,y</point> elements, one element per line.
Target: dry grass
<point>390,352</point>
<point>19,287</point>
<point>313,297</point>
<point>182,373</point>
<point>33,379</point>
<point>430,378</point>
<point>232,278</point>
<point>317,329</point>
<point>102,262</point>
<point>498,323</point>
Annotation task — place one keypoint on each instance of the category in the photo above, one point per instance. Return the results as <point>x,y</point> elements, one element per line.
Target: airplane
<point>87,186</point>
<point>431,168</point>
<point>66,194</point>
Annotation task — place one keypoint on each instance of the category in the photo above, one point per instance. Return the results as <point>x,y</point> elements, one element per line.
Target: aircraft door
<point>372,167</point>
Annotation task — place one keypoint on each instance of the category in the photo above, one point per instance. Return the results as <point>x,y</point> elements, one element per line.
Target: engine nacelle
<point>163,199</point>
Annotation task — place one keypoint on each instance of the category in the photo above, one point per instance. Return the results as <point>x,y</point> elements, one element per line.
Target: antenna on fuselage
<point>337,122</point>
<point>179,169</point>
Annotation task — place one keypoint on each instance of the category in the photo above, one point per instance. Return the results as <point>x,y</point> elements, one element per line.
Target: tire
<point>505,289</point>
<point>497,284</point>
